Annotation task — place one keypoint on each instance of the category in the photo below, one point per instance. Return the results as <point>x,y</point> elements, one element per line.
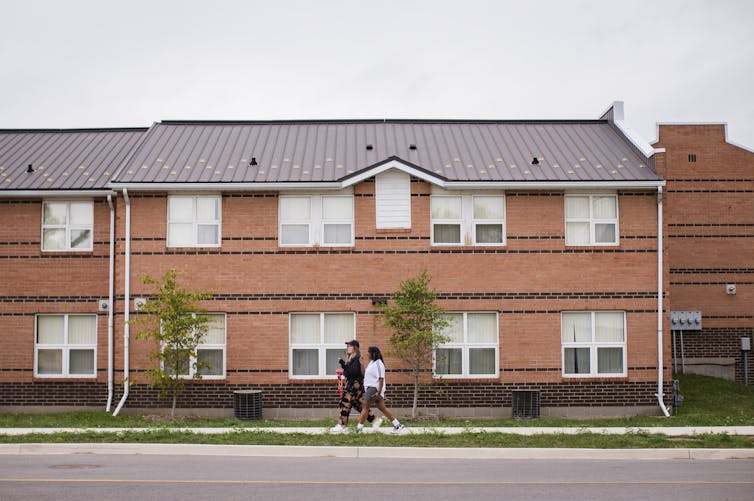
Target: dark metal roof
<point>63,159</point>
<point>332,150</point>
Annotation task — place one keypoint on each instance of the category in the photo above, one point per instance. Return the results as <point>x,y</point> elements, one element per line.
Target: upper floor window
<point>594,343</point>
<point>464,219</point>
<point>317,341</point>
<point>307,220</point>
<point>209,358</point>
<point>67,226</point>
<point>472,350</point>
<point>194,221</point>
<point>591,219</point>
<point>65,346</point>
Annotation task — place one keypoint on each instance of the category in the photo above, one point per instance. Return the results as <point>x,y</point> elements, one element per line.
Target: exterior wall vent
<point>525,404</point>
<point>692,157</point>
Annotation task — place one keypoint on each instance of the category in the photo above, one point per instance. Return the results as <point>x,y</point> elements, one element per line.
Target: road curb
<point>377,452</point>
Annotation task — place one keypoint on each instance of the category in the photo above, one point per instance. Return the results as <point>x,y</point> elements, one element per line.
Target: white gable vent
<point>393,199</point>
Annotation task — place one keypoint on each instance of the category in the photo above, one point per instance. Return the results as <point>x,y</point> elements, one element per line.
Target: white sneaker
<point>338,428</point>
<point>377,423</point>
<point>398,428</point>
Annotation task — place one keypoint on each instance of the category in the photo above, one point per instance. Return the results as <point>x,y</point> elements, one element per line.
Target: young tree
<point>417,323</point>
<point>171,319</point>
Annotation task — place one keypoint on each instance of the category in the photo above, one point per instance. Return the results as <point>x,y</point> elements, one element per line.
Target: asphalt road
<point>145,477</point>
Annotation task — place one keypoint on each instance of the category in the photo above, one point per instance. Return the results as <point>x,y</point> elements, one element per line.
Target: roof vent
<point>411,146</point>
<point>30,168</point>
<point>253,161</point>
<point>370,147</point>
<point>535,161</point>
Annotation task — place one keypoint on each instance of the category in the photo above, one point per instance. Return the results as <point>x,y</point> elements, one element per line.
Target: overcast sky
<point>103,63</point>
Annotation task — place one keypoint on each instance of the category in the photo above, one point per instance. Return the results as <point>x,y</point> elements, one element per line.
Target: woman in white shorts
<point>374,390</point>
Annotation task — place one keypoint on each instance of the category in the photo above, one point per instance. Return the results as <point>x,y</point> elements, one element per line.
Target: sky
<point>77,64</point>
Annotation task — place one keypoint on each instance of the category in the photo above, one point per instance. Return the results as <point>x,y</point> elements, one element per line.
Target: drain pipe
<point>110,307</point>
<point>659,394</point>
<point>127,302</point>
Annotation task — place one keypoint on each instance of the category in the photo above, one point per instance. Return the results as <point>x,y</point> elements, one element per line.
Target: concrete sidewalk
<point>673,431</point>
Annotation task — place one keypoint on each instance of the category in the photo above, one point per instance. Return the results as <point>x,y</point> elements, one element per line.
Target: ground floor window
<point>210,354</point>
<point>65,346</point>
<point>472,350</point>
<point>594,343</point>
<point>317,340</point>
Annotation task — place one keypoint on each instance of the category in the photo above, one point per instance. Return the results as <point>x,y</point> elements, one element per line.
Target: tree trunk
<point>416,392</point>
<point>172,411</point>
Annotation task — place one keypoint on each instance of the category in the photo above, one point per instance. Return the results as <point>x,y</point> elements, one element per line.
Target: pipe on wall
<point>127,303</point>
<point>660,366</point>
<point>110,316</point>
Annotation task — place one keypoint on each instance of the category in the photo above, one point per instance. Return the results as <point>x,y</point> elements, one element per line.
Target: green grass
<point>708,402</point>
<point>487,440</point>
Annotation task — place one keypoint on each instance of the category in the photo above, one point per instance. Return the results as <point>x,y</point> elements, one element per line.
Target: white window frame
<point>467,222</point>
<point>68,227</point>
<point>465,346</point>
<point>592,220</point>
<point>476,222</point>
<point>207,346</point>
<point>316,222</point>
<point>593,345</point>
<point>196,222</point>
<point>65,347</point>
<point>321,346</point>
<point>325,222</point>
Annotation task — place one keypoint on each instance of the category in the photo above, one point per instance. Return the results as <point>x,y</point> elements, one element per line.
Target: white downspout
<point>110,317</point>
<point>127,302</point>
<point>659,394</point>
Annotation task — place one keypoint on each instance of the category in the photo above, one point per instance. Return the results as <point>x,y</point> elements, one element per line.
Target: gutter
<point>54,193</point>
<point>339,185</point>
<point>127,302</point>
<point>660,367</point>
<point>110,317</point>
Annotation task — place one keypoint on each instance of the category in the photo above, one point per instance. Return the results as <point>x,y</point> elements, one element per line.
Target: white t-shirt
<point>374,371</point>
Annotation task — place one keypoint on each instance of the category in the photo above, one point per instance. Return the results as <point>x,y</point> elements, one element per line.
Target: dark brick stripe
<point>710,236</point>
<point>711,225</point>
<point>250,195</point>
<point>715,180</point>
<point>710,283</point>
<point>595,250</point>
<point>709,191</point>
<point>58,256</point>
<point>322,395</point>
<point>683,271</point>
<point>50,299</point>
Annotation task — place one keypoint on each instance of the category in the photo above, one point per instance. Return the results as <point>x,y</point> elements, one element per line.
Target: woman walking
<point>374,394</point>
<point>354,390</point>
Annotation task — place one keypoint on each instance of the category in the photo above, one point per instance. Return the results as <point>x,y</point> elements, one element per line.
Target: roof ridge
<point>94,129</point>
<point>383,120</point>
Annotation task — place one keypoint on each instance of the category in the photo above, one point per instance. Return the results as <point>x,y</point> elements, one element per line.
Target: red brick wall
<point>709,211</point>
<point>257,284</point>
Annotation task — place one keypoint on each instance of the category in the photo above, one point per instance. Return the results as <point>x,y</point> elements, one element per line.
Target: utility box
<point>745,344</point>
<point>686,320</point>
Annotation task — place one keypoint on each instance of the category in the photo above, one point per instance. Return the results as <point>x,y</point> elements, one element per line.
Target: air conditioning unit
<point>103,305</point>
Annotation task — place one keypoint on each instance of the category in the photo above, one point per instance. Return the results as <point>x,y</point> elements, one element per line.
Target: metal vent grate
<point>525,404</point>
<point>247,404</point>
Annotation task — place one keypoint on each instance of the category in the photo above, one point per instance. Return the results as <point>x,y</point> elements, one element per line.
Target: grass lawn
<point>708,402</point>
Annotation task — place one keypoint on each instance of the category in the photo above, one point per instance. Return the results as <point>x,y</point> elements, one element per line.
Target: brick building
<point>709,211</point>
<point>541,238</point>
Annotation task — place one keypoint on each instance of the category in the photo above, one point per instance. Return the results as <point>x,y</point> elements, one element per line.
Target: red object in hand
<point>339,372</point>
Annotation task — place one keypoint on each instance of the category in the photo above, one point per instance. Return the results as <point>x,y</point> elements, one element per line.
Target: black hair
<point>374,353</point>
